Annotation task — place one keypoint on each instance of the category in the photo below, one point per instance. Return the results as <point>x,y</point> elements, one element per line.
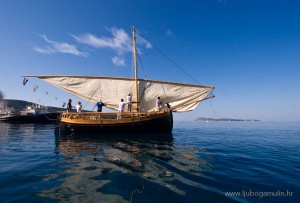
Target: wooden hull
<point>157,122</point>
<point>35,118</point>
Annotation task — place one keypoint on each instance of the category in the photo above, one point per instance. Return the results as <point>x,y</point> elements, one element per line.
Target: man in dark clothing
<point>99,105</point>
<point>69,106</point>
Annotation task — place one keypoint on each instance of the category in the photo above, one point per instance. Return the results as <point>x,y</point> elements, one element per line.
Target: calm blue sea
<point>198,162</point>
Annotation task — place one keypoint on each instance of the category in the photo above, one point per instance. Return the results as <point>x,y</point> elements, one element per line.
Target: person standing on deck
<point>158,104</point>
<point>69,106</point>
<point>129,102</point>
<point>79,107</point>
<point>121,108</point>
<point>99,105</point>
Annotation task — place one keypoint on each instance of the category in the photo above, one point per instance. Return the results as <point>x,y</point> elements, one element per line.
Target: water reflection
<point>124,167</point>
<point>20,132</point>
<point>12,128</point>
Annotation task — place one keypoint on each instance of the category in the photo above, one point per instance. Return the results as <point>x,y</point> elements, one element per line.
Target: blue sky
<point>248,50</point>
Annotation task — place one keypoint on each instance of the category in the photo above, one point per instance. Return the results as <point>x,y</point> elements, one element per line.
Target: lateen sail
<point>181,97</point>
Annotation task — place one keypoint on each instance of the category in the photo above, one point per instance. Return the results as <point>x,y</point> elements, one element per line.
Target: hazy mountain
<point>18,105</point>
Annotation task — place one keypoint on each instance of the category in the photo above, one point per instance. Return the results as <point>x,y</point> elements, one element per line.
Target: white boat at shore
<point>31,114</point>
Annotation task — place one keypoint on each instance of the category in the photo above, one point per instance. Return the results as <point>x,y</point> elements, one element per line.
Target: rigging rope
<point>176,65</point>
<point>212,106</point>
<point>141,95</point>
<point>91,97</point>
<point>141,64</point>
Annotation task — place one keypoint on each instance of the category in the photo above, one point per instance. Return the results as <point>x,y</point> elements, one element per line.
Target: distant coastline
<point>16,105</point>
<point>203,119</point>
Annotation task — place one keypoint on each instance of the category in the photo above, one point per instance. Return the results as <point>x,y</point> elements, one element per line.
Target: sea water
<point>198,162</point>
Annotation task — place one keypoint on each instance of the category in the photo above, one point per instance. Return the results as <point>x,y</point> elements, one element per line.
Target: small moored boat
<point>31,114</point>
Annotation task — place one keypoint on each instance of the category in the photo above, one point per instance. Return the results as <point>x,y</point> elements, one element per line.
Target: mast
<point>135,70</point>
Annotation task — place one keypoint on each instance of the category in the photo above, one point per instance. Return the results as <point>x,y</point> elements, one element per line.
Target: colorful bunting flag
<point>35,87</point>
<point>25,80</point>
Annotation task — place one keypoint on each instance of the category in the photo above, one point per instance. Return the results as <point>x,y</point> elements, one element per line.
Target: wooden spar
<point>135,70</point>
<point>117,78</point>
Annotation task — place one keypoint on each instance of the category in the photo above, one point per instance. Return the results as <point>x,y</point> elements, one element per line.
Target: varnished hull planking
<point>107,123</point>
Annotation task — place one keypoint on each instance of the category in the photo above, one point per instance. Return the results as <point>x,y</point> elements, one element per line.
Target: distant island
<point>224,119</point>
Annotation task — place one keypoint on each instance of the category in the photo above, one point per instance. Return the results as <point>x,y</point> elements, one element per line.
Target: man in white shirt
<point>158,104</point>
<point>79,107</point>
<point>121,108</point>
<point>129,102</point>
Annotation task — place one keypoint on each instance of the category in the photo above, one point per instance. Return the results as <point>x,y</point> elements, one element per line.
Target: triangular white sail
<point>181,97</point>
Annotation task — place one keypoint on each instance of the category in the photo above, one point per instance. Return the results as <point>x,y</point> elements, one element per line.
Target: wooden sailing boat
<point>177,97</point>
